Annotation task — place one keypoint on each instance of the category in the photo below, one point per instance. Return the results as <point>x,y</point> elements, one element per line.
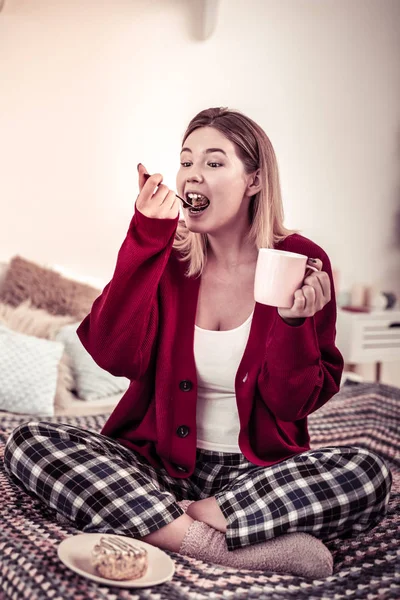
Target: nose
<point>193,174</point>
<point>193,179</point>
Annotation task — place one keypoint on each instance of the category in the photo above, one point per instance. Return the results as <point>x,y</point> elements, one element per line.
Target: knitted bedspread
<point>366,566</point>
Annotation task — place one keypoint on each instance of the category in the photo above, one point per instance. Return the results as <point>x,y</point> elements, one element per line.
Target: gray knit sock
<point>295,553</point>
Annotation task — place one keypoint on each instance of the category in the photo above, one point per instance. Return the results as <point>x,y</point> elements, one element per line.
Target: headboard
<point>3,271</point>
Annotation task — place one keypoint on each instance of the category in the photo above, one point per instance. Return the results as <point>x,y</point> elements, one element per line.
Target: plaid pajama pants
<point>101,486</point>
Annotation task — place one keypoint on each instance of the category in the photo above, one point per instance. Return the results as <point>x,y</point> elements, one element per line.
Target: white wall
<point>89,88</point>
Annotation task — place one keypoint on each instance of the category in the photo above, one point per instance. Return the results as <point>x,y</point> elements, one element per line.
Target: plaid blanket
<point>367,566</point>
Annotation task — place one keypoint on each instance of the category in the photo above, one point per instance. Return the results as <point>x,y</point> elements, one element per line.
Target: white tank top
<point>217,356</point>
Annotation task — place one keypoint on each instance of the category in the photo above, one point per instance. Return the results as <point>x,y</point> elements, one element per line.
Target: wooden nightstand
<point>372,337</point>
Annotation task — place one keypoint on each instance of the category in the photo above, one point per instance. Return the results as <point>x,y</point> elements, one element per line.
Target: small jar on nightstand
<point>372,337</point>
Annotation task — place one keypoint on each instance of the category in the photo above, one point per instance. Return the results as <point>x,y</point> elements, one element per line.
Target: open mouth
<point>196,203</point>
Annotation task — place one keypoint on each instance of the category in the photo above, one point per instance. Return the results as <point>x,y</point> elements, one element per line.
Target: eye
<point>214,165</point>
<point>185,163</point>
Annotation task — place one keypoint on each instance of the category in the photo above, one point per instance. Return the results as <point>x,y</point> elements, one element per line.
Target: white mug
<point>278,275</point>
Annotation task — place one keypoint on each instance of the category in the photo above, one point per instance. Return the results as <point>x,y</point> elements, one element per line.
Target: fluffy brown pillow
<point>46,289</point>
<point>38,323</point>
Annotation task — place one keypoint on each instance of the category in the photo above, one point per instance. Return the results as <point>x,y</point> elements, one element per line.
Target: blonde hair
<point>266,210</point>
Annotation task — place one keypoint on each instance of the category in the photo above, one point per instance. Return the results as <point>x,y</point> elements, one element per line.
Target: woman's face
<point>210,166</point>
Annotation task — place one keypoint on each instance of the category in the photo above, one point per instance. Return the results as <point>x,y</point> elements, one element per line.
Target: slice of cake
<point>118,559</point>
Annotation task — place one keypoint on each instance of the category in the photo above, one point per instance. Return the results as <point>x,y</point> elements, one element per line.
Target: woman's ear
<point>254,183</point>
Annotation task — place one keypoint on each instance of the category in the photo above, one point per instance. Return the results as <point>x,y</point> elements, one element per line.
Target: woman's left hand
<point>311,297</point>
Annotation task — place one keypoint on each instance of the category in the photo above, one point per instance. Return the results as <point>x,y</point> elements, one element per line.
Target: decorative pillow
<point>39,323</point>
<point>46,289</point>
<point>28,373</point>
<point>91,381</point>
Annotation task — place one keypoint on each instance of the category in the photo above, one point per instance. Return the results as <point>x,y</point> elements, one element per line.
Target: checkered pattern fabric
<point>102,486</point>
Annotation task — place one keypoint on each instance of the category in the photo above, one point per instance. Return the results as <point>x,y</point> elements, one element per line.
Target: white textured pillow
<point>91,381</point>
<point>28,373</point>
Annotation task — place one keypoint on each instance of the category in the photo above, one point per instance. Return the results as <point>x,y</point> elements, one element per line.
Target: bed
<point>366,566</point>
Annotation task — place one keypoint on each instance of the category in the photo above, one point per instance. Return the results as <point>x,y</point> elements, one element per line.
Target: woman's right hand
<point>155,200</point>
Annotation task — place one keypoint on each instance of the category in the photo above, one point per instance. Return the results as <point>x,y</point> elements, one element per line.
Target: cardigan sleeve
<point>121,328</point>
<point>302,366</point>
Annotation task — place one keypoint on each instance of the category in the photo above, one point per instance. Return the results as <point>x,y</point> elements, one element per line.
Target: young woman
<point>207,453</point>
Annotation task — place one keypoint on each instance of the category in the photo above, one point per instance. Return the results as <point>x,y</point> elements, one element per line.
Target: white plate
<point>75,553</point>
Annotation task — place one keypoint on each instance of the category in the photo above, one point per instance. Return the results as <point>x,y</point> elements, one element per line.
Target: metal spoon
<point>185,203</point>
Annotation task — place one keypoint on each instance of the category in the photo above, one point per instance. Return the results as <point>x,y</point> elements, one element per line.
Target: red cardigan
<point>142,327</point>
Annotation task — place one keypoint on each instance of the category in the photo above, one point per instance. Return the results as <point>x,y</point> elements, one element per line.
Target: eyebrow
<point>208,151</point>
